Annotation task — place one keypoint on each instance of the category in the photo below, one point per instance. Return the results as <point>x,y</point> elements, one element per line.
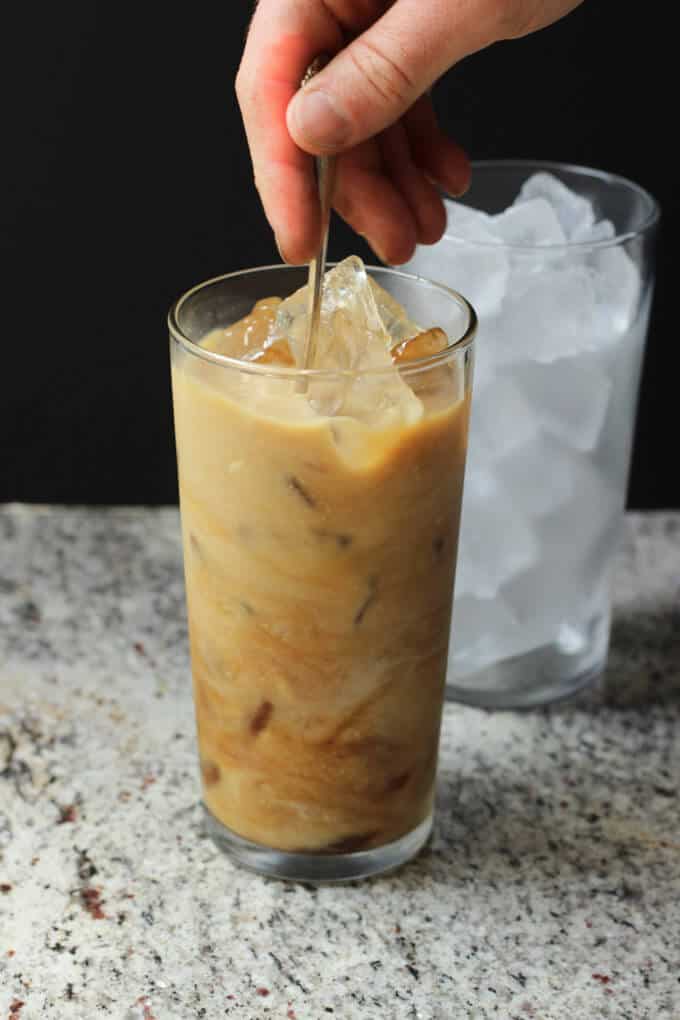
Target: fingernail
<point>318,120</point>
<point>464,182</point>
<point>380,254</point>
<point>455,190</point>
<point>461,189</point>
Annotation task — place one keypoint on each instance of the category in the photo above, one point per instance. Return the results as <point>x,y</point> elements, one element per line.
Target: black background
<point>125,179</point>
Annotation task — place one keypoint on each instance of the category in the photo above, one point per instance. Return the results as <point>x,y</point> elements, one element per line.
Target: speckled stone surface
<point>551,889</point>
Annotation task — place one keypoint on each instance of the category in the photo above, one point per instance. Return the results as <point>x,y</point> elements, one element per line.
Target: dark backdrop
<point>124,179</point>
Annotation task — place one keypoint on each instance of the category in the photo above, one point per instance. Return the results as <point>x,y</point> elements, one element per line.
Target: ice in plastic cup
<point>320,523</point>
<point>559,264</point>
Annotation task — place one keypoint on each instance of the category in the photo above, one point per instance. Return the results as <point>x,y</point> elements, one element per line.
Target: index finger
<point>284,37</point>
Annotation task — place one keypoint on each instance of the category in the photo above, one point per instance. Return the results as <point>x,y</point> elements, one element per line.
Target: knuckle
<point>514,18</point>
<point>384,75</point>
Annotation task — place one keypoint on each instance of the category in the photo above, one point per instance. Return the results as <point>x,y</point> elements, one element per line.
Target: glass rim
<point>416,366</point>
<point>604,176</point>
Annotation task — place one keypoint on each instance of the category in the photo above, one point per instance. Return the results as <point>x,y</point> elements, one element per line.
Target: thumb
<point>375,79</point>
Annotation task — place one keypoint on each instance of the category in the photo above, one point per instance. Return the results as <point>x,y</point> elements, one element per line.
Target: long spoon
<point>325,173</point>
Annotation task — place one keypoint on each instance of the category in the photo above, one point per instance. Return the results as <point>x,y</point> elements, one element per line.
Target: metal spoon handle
<point>325,173</point>
<point>317,266</point>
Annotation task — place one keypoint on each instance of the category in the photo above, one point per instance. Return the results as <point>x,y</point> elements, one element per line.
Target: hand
<point>369,105</point>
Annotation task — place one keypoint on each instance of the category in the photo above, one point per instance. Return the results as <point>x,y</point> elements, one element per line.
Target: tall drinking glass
<point>320,524</point>
<point>562,283</point>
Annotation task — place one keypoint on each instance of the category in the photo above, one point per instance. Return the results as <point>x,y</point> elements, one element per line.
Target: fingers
<point>393,61</point>
<point>421,196</point>
<point>384,191</point>
<point>284,37</point>
<point>369,201</point>
<point>284,175</point>
<point>439,157</point>
<point>402,47</point>
<point>378,76</point>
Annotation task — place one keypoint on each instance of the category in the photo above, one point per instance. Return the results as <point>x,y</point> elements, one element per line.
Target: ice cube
<point>574,212</point>
<point>533,222</point>
<point>595,505</point>
<point>479,633</point>
<point>487,631</point>
<point>350,330</point>
<point>462,221</point>
<point>249,335</point>
<point>534,598</point>
<point>276,353</point>
<point>486,363</point>
<point>249,340</point>
<point>393,317</point>
<point>501,419</point>
<point>468,259</point>
<point>618,290</point>
<point>594,233</point>
<point>615,276</point>
<point>422,345</point>
<point>546,599</point>
<point>536,476</point>
<point>614,446</point>
<point>569,397</point>
<point>496,542</point>
<point>351,338</point>
<point>577,542</point>
<point>551,314</point>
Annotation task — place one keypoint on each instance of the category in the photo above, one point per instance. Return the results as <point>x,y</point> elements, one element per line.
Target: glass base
<point>311,867</point>
<point>538,677</point>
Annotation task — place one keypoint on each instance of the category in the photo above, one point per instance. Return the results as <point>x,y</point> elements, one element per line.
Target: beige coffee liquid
<point>319,558</point>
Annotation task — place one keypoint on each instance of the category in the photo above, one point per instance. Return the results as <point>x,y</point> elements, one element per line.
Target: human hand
<point>369,106</point>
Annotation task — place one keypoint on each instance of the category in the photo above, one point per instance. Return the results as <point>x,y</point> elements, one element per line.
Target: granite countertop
<point>551,889</point>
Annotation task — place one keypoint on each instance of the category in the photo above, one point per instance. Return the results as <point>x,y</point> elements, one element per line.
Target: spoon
<point>325,174</point>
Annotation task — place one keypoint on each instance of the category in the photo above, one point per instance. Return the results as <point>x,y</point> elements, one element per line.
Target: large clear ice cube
<point>614,275</point>
<point>392,316</point>
<point>487,625</point>
<point>496,540</point>
<point>577,542</point>
<point>478,270</point>
<point>533,222</point>
<point>594,233</point>
<point>501,419</point>
<point>352,338</point>
<point>569,399</point>
<point>618,291</point>
<point>469,224</point>
<point>537,492</point>
<point>351,332</point>
<point>550,314</point>
<point>575,213</point>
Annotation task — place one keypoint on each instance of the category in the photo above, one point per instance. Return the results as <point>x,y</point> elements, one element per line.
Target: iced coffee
<point>320,522</point>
